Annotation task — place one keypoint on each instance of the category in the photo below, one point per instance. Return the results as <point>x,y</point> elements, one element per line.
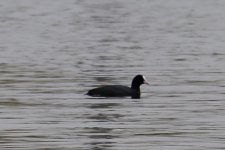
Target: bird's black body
<point>120,90</point>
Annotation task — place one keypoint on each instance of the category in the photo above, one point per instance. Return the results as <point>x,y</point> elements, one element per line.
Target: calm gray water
<point>52,52</point>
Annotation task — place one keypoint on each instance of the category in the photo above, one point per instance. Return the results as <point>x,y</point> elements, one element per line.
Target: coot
<point>120,90</point>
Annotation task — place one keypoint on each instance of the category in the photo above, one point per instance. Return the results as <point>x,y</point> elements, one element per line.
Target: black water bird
<point>120,90</point>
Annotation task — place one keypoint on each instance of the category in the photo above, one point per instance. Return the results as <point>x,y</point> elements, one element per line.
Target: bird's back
<point>111,91</point>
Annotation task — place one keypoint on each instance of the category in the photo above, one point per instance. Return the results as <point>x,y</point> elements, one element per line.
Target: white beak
<point>145,81</point>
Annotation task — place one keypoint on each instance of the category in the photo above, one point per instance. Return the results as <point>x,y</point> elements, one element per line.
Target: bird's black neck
<point>135,86</point>
<point>137,93</point>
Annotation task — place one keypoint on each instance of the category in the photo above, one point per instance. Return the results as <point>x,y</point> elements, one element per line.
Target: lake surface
<point>52,52</point>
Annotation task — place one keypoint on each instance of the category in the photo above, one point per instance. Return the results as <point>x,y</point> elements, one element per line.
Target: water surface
<point>53,52</point>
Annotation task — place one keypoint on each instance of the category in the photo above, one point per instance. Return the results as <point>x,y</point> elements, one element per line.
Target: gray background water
<point>53,51</point>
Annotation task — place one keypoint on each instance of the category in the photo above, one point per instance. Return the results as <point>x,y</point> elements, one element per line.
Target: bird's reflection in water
<point>102,133</point>
<point>103,105</point>
<point>100,138</point>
